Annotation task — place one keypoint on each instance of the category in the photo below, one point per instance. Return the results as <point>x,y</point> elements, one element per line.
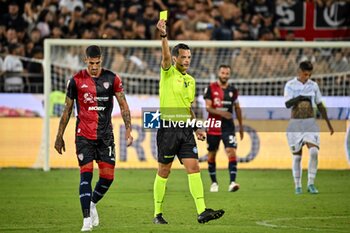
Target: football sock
<point>232,168</point>
<point>296,169</point>
<point>158,193</point>
<point>85,192</point>
<point>313,160</point>
<point>212,171</point>
<point>101,188</point>
<point>196,189</point>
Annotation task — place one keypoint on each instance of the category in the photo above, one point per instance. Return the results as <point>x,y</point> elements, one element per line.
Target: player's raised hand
<point>129,138</point>
<point>59,144</point>
<point>161,25</point>
<point>200,134</point>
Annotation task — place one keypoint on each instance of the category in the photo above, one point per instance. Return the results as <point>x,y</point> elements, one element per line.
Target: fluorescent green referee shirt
<point>176,91</point>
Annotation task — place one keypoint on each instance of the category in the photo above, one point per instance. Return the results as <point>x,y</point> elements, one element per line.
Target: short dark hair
<point>93,51</point>
<point>306,66</point>
<point>175,50</point>
<point>224,66</point>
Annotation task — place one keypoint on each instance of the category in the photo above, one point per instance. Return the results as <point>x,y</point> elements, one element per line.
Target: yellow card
<point>163,15</point>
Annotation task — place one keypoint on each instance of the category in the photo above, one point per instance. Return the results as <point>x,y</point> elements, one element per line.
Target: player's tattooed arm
<point>324,115</point>
<point>124,109</point>
<point>293,102</point>
<point>66,114</point>
<point>125,112</point>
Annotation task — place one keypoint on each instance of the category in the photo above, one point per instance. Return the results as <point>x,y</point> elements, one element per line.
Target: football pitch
<point>35,201</point>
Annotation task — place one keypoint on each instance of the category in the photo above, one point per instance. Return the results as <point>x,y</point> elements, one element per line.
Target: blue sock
<point>232,168</point>
<point>85,192</point>
<point>212,171</point>
<point>101,188</point>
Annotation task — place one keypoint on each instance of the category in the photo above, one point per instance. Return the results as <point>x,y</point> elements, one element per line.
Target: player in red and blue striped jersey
<point>220,99</point>
<point>93,90</point>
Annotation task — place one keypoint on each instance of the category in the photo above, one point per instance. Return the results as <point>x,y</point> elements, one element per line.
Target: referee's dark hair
<point>175,50</point>
<point>306,66</point>
<point>93,51</point>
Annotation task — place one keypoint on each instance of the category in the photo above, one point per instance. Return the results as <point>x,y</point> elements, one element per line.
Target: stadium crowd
<point>25,24</point>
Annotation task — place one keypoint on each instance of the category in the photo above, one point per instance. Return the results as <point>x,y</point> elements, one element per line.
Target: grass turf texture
<point>35,201</point>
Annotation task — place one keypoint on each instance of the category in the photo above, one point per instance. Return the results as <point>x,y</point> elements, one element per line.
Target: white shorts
<point>301,131</point>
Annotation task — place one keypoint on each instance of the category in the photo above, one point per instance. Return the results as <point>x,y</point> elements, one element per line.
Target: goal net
<point>258,68</point>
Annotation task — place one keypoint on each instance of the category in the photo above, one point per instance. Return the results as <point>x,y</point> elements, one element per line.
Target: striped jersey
<point>222,99</point>
<point>94,102</point>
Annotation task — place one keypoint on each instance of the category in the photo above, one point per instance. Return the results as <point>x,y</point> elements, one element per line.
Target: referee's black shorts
<point>178,142</point>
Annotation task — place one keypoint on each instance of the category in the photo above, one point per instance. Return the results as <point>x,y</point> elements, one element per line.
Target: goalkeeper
<point>177,92</point>
<point>301,94</point>
<point>93,90</point>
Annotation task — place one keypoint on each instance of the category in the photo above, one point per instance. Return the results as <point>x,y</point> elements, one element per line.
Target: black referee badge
<point>151,119</point>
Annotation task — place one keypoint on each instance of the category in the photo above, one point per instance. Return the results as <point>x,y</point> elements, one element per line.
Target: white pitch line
<point>268,223</point>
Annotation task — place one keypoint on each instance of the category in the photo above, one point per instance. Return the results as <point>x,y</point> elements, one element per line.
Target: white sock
<point>296,169</point>
<point>313,160</point>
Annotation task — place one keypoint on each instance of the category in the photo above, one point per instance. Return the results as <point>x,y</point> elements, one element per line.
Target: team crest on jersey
<point>106,85</point>
<point>230,94</point>
<point>81,157</point>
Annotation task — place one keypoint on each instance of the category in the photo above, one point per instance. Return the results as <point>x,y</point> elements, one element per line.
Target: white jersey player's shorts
<point>302,131</point>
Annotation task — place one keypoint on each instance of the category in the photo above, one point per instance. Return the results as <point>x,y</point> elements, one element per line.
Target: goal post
<point>258,67</point>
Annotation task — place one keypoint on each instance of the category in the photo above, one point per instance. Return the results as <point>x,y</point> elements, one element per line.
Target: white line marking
<point>269,223</point>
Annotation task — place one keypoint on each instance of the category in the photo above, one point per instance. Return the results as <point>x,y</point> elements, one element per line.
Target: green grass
<point>35,201</point>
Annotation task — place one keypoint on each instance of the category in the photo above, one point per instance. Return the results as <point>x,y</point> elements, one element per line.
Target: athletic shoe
<point>210,214</point>
<point>94,215</point>
<point>233,187</point>
<point>159,219</point>
<point>87,224</point>
<point>298,190</point>
<point>312,189</point>
<point>214,187</point>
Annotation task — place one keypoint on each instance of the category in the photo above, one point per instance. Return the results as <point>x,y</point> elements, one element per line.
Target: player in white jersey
<point>302,94</point>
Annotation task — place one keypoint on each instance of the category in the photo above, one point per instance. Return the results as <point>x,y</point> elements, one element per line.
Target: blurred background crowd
<point>25,24</point>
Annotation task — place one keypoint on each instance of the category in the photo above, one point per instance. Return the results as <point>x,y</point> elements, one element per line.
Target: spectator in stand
<point>13,18</point>
<point>150,18</point>
<point>13,67</point>
<point>77,22</point>
<point>11,37</point>
<point>67,6</point>
<point>45,22</point>
<point>339,63</point>
<point>254,27</point>
<point>35,68</point>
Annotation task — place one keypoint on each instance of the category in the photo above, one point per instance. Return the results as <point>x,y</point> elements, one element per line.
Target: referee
<point>177,92</point>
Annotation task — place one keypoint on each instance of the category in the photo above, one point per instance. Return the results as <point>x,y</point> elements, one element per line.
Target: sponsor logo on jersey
<point>106,85</point>
<point>84,86</point>
<point>96,108</point>
<point>88,98</point>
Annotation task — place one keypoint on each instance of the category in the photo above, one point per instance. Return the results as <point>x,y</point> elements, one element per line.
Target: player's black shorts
<point>100,150</point>
<point>173,142</point>
<point>228,138</point>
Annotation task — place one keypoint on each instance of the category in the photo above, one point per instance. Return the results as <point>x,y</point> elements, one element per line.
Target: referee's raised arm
<point>166,56</point>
